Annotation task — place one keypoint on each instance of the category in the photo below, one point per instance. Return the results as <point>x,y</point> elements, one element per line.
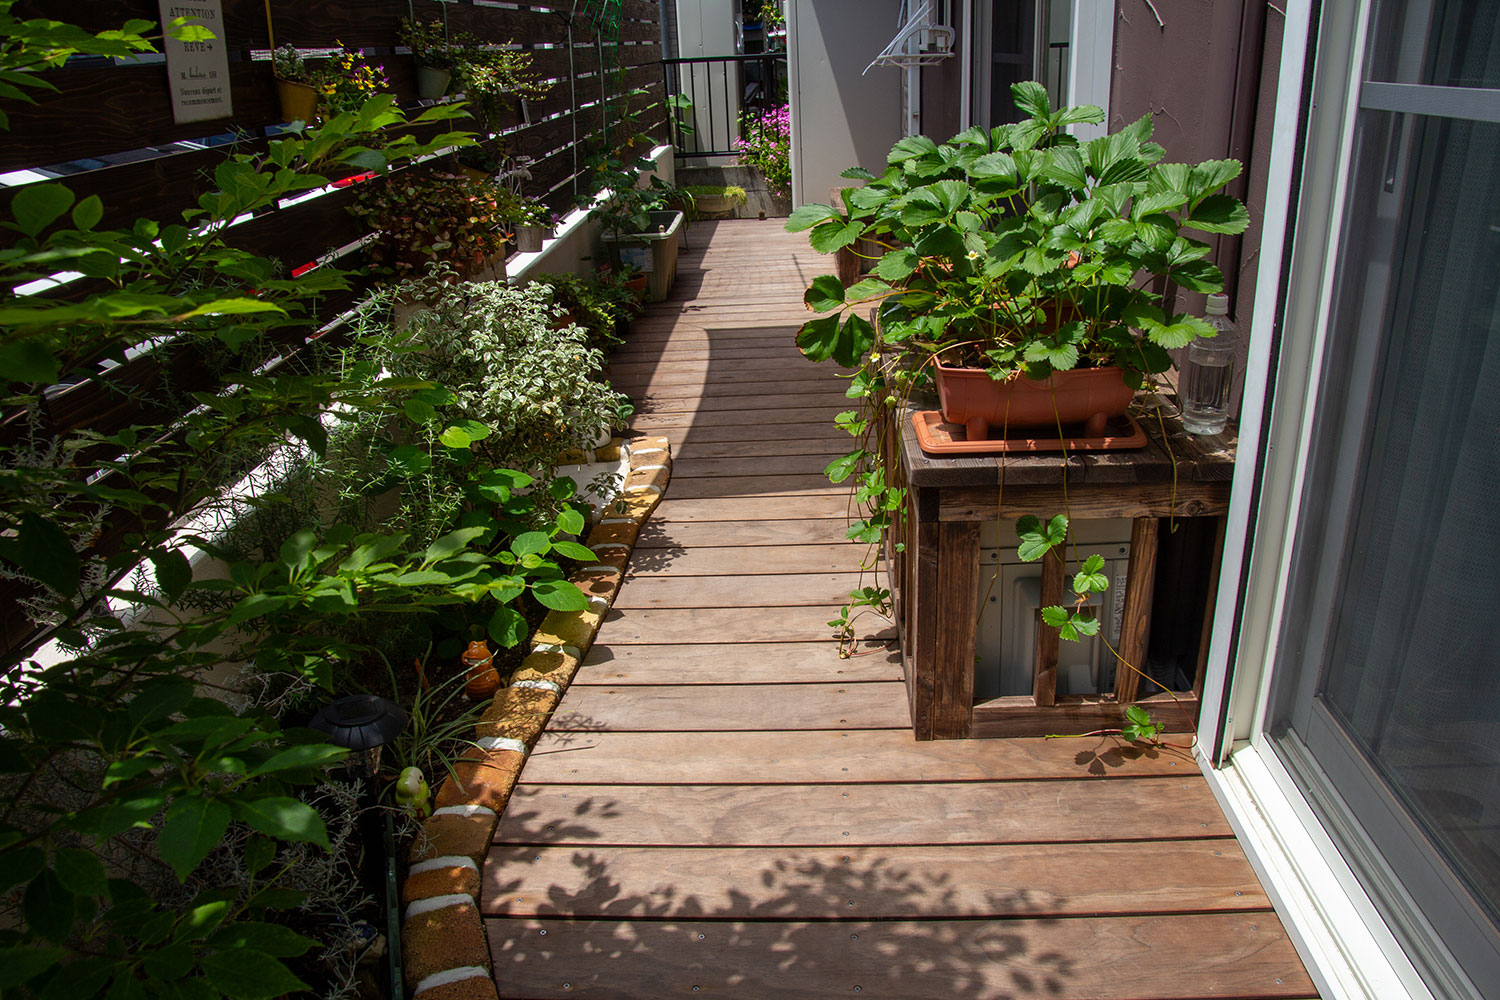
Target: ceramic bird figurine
<point>412,793</point>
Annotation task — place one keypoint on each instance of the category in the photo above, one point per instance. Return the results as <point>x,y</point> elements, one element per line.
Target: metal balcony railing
<point>721,89</point>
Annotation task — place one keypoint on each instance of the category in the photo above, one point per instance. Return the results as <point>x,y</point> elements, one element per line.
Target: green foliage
<point>626,206</point>
<point>1139,727</point>
<point>343,80</point>
<point>539,388</point>
<point>150,833</point>
<point>431,43</point>
<point>1022,250</point>
<point>423,218</point>
<point>1017,249</point>
<point>600,303</point>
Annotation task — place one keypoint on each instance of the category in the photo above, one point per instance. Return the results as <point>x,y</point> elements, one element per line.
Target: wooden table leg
<point>921,617</point>
<point>1140,585</point>
<point>1214,566</point>
<point>958,587</point>
<point>1044,670</point>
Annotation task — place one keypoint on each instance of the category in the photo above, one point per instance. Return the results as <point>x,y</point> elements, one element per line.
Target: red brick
<point>446,938</point>
<point>485,779</point>
<point>451,835</point>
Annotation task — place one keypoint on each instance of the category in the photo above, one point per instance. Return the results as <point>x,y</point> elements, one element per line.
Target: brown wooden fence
<point>109,131</point>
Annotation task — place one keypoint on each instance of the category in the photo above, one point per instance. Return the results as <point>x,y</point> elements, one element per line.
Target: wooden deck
<point>723,807</point>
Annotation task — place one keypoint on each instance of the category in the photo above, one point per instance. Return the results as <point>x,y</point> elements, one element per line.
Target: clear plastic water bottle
<point>1204,388</point>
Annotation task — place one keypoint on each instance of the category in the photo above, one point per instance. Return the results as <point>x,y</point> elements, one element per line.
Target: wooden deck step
<point>837,758</point>
<point>728,708</point>
<point>816,396</point>
<point>744,663</point>
<point>829,446</point>
<point>1103,958</point>
<point>742,421</point>
<point>1016,812</point>
<point>713,434</point>
<point>785,465</point>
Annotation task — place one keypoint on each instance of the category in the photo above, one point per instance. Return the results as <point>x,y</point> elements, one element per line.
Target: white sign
<point>198,72</point>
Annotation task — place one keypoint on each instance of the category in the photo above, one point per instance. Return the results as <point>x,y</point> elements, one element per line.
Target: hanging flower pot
<point>432,82</point>
<point>299,102</point>
<point>529,238</point>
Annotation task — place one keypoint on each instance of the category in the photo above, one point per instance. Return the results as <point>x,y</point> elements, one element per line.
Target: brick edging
<point>444,951</point>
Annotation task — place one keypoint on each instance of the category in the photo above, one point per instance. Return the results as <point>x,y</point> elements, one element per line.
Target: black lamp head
<point>360,721</point>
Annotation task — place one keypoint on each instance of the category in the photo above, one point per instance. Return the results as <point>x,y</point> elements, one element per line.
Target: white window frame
<point>1348,949</point>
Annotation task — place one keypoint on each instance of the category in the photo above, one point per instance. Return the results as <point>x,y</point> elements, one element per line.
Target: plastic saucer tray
<point>939,438</point>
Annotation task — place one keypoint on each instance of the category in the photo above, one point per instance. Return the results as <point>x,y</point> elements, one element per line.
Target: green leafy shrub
<point>601,303</point>
<point>1018,249</point>
<point>424,218</point>
<point>540,389</point>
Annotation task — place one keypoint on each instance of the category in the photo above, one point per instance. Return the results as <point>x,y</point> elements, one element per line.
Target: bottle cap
<point>1218,305</point>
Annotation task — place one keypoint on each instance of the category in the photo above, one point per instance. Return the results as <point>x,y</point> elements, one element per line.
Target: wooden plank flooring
<point>722,806</point>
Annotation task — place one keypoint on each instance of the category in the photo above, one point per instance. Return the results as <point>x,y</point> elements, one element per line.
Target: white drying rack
<point>919,41</point>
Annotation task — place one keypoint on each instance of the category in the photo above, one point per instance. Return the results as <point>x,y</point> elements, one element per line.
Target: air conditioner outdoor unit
<point>1005,642</point>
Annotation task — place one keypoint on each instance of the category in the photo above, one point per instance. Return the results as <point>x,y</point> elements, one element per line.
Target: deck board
<point>724,805</point>
<point>722,708</point>
<point>744,663</point>
<point>986,812</point>
<point>1103,958</point>
<point>882,883</point>
<point>834,757</point>
<point>761,591</point>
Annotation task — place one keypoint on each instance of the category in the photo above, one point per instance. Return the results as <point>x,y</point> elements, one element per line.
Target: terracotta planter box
<point>1087,396</point>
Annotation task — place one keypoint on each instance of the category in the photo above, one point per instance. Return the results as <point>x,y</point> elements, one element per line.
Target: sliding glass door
<point>1386,699</point>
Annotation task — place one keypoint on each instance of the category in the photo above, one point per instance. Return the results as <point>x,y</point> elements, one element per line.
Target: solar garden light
<point>363,723</point>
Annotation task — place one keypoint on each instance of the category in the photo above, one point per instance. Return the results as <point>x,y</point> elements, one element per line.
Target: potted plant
<point>714,199</point>
<point>1023,264</point>
<point>488,74</point>
<point>534,222</point>
<point>341,82</point>
<point>598,304</point>
<point>424,218</point>
<point>765,143</point>
<point>639,230</point>
<point>435,55</point>
<point>295,85</point>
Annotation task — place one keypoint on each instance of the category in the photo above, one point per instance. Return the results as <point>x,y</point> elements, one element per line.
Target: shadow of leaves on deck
<point>785,934</point>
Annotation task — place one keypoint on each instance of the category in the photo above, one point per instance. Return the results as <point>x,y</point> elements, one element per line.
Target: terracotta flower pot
<point>299,102</point>
<point>1088,396</point>
<point>637,284</point>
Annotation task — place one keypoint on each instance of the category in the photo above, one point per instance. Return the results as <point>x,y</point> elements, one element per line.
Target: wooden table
<point>936,578</point>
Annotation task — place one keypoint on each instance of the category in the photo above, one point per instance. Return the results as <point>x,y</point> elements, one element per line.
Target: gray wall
<point>1217,103</point>
<point>839,118</point>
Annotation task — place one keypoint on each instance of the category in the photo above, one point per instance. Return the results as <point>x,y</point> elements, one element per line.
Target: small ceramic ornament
<point>484,681</point>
